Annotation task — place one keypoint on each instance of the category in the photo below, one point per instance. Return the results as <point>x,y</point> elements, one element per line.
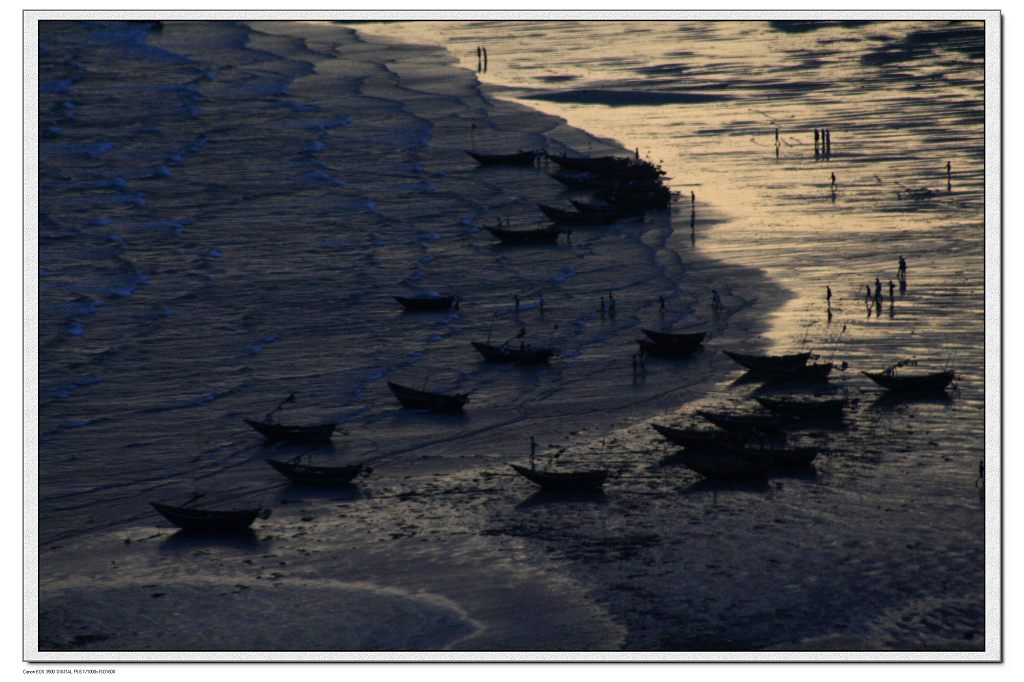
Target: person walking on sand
<point>949,172</point>
<point>867,293</point>
<point>693,201</point>
<point>485,58</point>
<point>776,137</point>
<point>878,290</point>
<point>828,297</point>
<point>828,142</point>
<point>815,139</point>
<point>833,182</point>
<point>892,288</point>
<point>901,273</point>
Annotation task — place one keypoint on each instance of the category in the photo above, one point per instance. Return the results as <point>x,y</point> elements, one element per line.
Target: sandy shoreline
<point>415,543</point>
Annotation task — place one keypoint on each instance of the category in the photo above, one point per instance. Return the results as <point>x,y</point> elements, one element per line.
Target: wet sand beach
<point>236,233</point>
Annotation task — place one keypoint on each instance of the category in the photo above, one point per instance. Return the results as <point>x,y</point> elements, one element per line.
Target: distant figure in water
<point>693,201</point>
<point>637,152</point>
<point>602,305</point>
<point>533,453</point>
<point>611,304</point>
<point>661,304</point>
<point>901,273</point>
<point>878,289</point>
<point>517,302</point>
<point>485,59</point>
<point>776,137</point>
<point>828,142</point>
<point>828,297</point>
<point>540,302</point>
<point>833,181</point>
<point>892,288</point>
<point>816,139</point>
<point>716,300</point>
<point>867,293</point>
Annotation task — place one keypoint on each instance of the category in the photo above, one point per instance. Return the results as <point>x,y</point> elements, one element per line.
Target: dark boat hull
<point>542,236</point>
<point>744,422</point>
<point>697,439</point>
<point>425,400</point>
<point>692,339</point>
<point>419,304</point>
<point>580,480</point>
<point>723,466</point>
<point>537,356</point>
<point>516,159</point>
<point>769,363</point>
<point>317,475</point>
<point>674,350</point>
<point>832,408</point>
<point>320,433</point>
<point>574,219</point>
<point>912,384</point>
<point>206,520</point>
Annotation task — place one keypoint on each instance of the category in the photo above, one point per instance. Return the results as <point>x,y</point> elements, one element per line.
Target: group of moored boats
<point>754,444</point>
<point>622,188</point>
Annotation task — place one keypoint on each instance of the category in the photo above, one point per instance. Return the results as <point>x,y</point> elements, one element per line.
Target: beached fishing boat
<point>931,382</point>
<point>769,363</point>
<point>427,400</point>
<point>520,158</point>
<point>569,480</point>
<point>318,433</point>
<point>509,354</point>
<point>209,520</point>
<point>673,350</point>
<point>575,219</point>
<point>751,421</point>
<point>425,302</point>
<point>775,457</point>
<point>544,235</point>
<point>699,438</point>
<point>804,407</point>
<point>675,338</point>
<point>317,475</point>
<point>618,210</point>
<point>618,167</point>
<point>722,465</point>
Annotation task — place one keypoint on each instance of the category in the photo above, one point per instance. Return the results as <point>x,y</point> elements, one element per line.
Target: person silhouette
<point>833,181</point>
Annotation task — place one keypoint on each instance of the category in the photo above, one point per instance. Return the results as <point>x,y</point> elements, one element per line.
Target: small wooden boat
<point>425,303</point>
<point>645,196</point>
<point>617,210</point>
<point>912,383</point>
<point>722,465</point>
<point>319,433</point>
<point>572,480</point>
<point>510,354</point>
<point>580,180</point>
<point>208,520</point>
<point>689,339</point>
<point>317,475</point>
<point>544,235</point>
<point>804,407</point>
<point>426,400</point>
<point>673,350</point>
<point>753,421</point>
<point>776,457</point>
<point>520,158</point>
<point>618,167</point>
<point>760,363</point>
<point>699,438</point>
<point>575,219</point>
